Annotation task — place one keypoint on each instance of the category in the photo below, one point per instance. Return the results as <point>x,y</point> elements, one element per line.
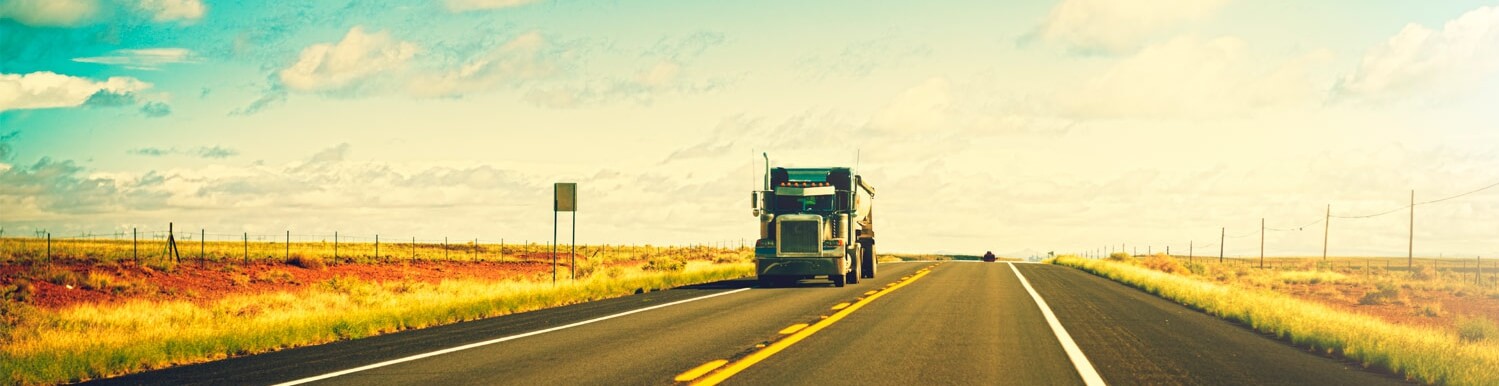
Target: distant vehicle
<point>814,222</point>
<point>989,257</point>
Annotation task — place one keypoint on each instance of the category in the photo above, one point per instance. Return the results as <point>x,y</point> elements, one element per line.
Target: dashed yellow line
<point>871,292</point>
<point>700,370</point>
<point>793,328</point>
<point>760,355</point>
<point>840,306</point>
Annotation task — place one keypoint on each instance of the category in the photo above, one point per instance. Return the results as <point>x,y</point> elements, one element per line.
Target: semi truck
<point>814,222</point>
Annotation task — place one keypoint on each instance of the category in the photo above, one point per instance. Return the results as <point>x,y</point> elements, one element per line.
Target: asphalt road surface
<point>918,323</point>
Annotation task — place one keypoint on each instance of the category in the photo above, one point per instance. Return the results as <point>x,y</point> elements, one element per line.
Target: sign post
<point>565,199</point>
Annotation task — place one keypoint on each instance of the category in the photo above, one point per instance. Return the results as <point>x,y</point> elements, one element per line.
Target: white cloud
<point>1194,77</point>
<point>342,66</point>
<point>49,13</point>
<point>520,59</point>
<point>168,10</point>
<point>142,59</point>
<point>1420,60</point>
<point>1117,26</point>
<point>927,105</point>
<point>474,5</point>
<point>45,89</point>
<point>662,74</point>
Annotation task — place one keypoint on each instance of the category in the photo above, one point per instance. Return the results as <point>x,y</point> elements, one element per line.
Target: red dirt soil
<point>66,283</point>
<point>1408,313</point>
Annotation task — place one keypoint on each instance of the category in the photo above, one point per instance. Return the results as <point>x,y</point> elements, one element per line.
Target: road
<point>919,323</point>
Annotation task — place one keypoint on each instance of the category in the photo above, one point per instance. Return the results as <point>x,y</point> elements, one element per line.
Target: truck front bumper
<point>799,266</point>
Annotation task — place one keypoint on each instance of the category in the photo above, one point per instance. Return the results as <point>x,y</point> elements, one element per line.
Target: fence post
<point>377,247</point>
<point>49,247</point>
<point>444,247</point>
<point>413,248</point>
<point>247,248</point>
<point>135,248</point>
<point>1410,246</point>
<point>335,245</point>
<point>288,246</point>
<point>1478,275</point>
<point>202,244</point>
<point>476,249</point>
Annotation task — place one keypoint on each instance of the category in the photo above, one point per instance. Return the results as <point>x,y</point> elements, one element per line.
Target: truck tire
<point>867,260</point>
<point>853,272</point>
<point>837,280</point>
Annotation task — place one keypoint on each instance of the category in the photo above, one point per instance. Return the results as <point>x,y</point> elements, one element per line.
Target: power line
<point>1491,186</point>
<point>1251,233</point>
<point>1298,228</point>
<point>1460,195</point>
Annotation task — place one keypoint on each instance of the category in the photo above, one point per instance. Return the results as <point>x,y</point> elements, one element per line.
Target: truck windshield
<point>803,204</point>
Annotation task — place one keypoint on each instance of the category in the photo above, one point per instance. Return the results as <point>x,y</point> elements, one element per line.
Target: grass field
<point>151,329</point>
<point>1466,355</point>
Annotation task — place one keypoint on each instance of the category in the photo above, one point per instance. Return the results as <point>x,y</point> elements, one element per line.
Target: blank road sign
<point>567,197</point>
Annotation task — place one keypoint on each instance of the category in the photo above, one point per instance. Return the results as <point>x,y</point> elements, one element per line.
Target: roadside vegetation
<point>350,250</point>
<point>1262,299</point>
<point>147,323</point>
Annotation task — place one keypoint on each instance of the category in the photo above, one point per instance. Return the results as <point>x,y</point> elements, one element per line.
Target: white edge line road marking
<point>1079,361</point>
<point>498,340</point>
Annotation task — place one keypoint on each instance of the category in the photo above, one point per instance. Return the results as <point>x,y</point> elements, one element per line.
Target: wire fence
<point>1213,251</point>
<point>157,246</point>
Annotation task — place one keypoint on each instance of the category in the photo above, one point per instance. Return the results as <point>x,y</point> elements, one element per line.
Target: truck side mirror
<point>757,202</point>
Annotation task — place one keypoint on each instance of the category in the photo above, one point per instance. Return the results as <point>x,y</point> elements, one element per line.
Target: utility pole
<point>1189,250</point>
<point>1326,223</point>
<point>1222,232</point>
<point>1410,246</point>
<point>1262,242</point>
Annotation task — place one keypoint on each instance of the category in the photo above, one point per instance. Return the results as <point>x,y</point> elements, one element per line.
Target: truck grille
<point>800,236</point>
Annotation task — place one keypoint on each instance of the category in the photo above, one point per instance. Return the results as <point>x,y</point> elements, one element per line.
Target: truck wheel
<point>837,280</point>
<point>867,260</point>
<point>853,272</point>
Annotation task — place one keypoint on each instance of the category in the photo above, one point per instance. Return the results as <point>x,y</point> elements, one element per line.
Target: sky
<point>1018,127</point>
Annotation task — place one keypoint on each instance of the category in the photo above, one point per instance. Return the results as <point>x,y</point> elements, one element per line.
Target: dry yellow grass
<point>1424,355</point>
<point>92,341</point>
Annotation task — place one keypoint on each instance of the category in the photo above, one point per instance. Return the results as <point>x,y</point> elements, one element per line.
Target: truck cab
<point>814,222</point>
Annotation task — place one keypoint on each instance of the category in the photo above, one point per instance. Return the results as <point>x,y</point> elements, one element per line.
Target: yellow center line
<point>773,348</point>
<point>793,328</point>
<point>700,370</point>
